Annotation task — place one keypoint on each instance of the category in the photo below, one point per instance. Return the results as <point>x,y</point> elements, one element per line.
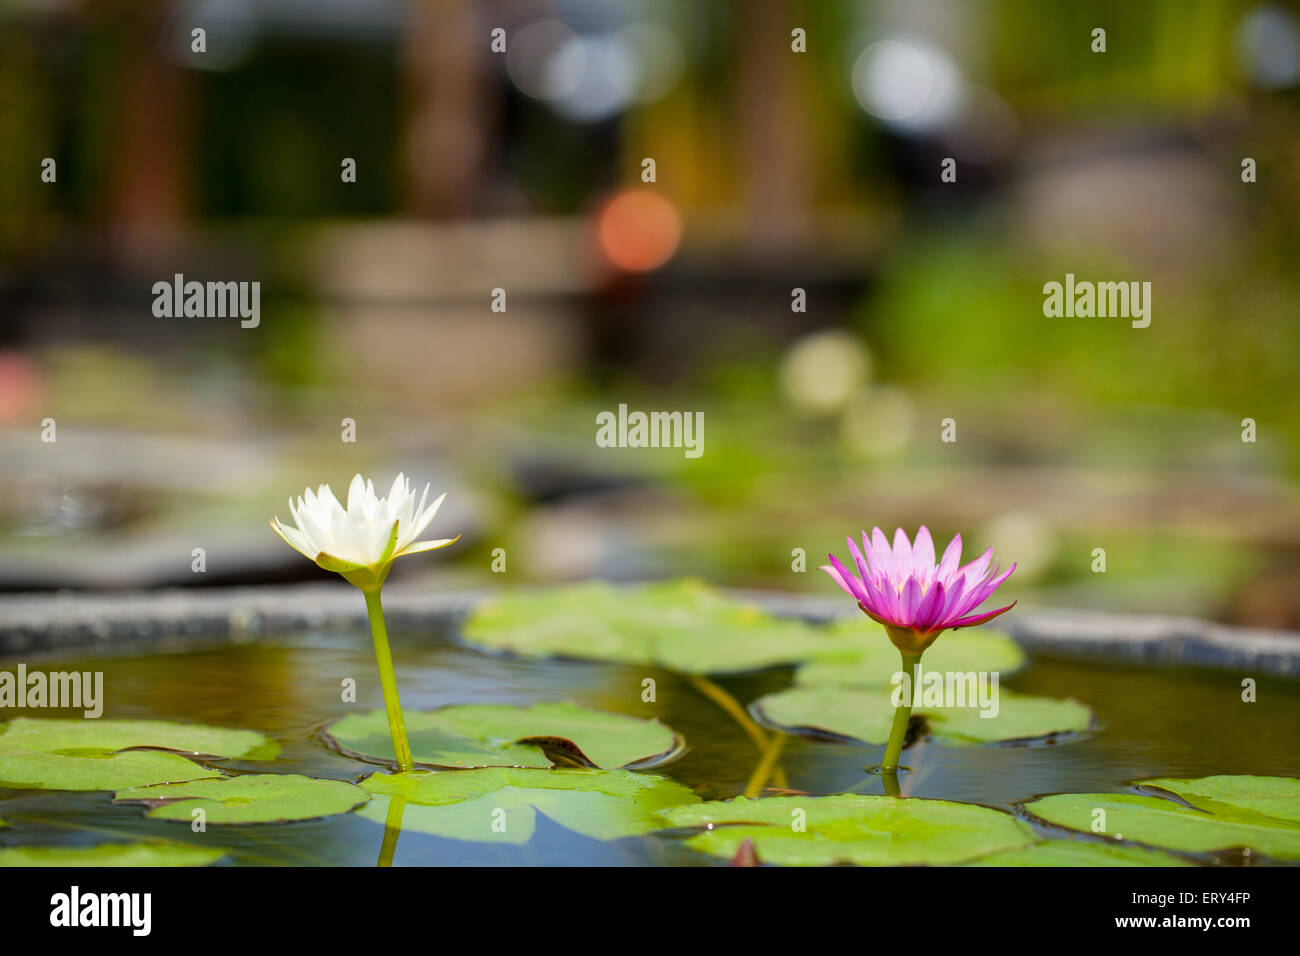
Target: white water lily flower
<point>362,541</point>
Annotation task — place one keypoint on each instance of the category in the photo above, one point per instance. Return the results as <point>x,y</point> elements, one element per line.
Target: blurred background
<point>794,269</point>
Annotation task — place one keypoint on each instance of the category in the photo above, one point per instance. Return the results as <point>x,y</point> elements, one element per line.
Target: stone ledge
<point>133,622</point>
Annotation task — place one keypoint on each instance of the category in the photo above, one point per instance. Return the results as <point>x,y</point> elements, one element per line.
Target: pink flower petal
<point>844,578</point>
<point>902,585</point>
<point>902,552</point>
<point>909,601</point>
<point>882,559</point>
<point>974,619</point>
<point>858,559</point>
<point>923,554</point>
<point>927,612</point>
<point>976,568</point>
<point>948,563</point>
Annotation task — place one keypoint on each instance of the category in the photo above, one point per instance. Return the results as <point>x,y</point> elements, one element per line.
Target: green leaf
<point>500,804</point>
<point>32,735</point>
<point>487,735</point>
<point>249,798</point>
<point>866,714</point>
<point>850,828</point>
<point>684,626</point>
<point>111,854</point>
<point>875,661</point>
<point>1080,853</point>
<point>1244,796</point>
<point>1262,813</point>
<point>96,770</point>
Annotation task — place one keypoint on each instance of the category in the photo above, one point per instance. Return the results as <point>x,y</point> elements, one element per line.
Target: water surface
<point>1151,721</point>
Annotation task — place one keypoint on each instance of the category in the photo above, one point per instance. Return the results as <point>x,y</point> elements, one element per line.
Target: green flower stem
<point>392,830</point>
<point>902,714</point>
<point>388,680</point>
<point>890,778</point>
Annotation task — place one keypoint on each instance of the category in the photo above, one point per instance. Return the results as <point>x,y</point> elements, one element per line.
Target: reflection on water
<point>1151,722</point>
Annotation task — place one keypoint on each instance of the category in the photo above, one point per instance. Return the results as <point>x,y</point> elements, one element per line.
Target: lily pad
<point>249,798</point>
<point>495,735</point>
<point>500,804</point>
<point>866,714</point>
<point>1273,797</point>
<point>874,662</point>
<point>1219,813</point>
<point>96,770</point>
<point>111,854</point>
<point>1081,853</point>
<point>850,828</point>
<point>685,626</point>
<point>33,735</point>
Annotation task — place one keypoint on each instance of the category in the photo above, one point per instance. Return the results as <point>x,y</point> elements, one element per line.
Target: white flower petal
<point>422,520</point>
<point>360,533</point>
<point>426,546</point>
<point>294,538</point>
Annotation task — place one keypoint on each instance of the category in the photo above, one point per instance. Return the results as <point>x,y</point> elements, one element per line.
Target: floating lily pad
<point>48,735</point>
<point>111,854</point>
<point>249,798</point>
<point>500,804</point>
<point>96,770</point>
<point>61,754</point>
<point>866,714</point>
<point>685,626</point>
<point>850,828</point>
<point>874,661</point>
<point>493,735</point>
<point>1276,798</point>
<point>1262,813</point>
<point>1081,853</point>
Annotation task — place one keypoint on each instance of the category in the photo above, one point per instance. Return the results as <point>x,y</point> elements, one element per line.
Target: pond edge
<point>180,619</point>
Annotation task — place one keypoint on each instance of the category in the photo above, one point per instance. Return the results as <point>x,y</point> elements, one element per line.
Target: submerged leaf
<point>31,735</point>
<point>685,626</point>
<point>496,735</point>
<point>111,854</point>
<point>500,805</point>
<point>850,828</point>
<point>249,798</point>
<point>866,714</point>
<point>1081,853</point>
<point>96,770</point>
<point>1222,812</point>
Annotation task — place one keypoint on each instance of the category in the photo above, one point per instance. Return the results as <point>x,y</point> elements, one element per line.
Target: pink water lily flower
<point>913,597</point>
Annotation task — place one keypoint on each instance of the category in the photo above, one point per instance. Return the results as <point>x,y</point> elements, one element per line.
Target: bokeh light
<point>638,230</point>
<point>912,85</point>
<point>821,371</point>
<point>1268,47</point>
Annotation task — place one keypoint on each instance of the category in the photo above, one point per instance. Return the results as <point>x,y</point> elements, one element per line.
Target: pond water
<point>1151,721</point>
